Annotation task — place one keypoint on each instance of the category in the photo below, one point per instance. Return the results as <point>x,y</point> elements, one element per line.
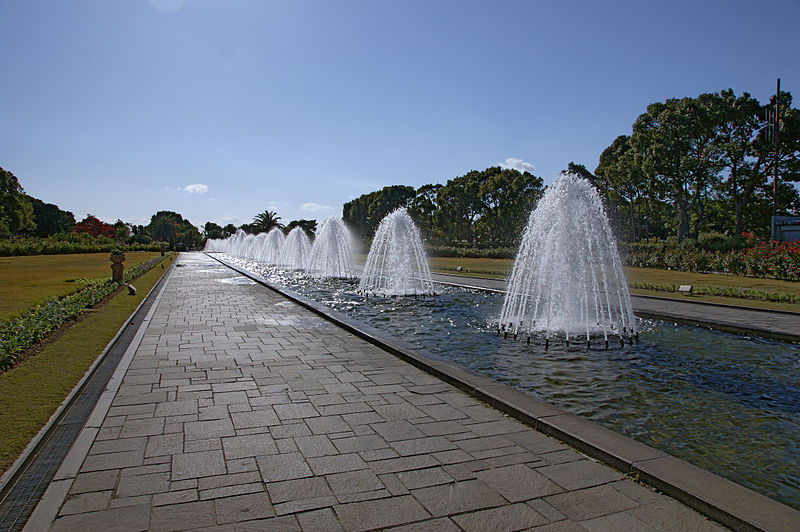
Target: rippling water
<point>729,404</point>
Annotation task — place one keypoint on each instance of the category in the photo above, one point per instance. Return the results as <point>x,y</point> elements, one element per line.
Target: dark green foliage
<point>18,334</point>
<point>264,222</point>
<point>16,211</point>
<point>212,230</point>
<point>723,291</point>
<point>68,243</point>
<point>364,213</point>
<point>170,227</point>
<point>50,219</point>
<point>309,226</point>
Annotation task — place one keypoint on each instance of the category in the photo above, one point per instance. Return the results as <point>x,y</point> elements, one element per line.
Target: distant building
<point>785,228</point>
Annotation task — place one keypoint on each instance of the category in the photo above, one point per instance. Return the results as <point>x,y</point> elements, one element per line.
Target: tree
<point>507,198</point>
<point>423,208</point>
<point>164,226</point>
<point>121,231</point>
<point>364,213</point>
<point>212,230</point>
<point>264,222</point>
<point>94,227</point>
<point>16,211</point>
<point>228,230</point>
<point>309,226</point>
<point>50,219</point>
<point>739,125</point>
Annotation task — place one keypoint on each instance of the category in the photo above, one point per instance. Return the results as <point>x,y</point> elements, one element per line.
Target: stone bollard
<point>163,249</point>
<point>117,267</point>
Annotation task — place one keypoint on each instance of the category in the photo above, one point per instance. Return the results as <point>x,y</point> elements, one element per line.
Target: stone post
<point>117,268</point>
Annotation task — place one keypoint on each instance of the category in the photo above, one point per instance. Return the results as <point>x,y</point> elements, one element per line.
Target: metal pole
<point>777,147</point>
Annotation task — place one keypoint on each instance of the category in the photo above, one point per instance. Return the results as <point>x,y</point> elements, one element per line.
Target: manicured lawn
<point>31,392</point>
<point>28,281</point>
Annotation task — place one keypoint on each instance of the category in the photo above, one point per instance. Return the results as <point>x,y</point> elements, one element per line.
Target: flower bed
<point>778,260</point>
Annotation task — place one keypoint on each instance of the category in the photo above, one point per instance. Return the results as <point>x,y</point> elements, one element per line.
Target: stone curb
<point>55,494</point>
<point>9,478</point>
<point>723,500</point>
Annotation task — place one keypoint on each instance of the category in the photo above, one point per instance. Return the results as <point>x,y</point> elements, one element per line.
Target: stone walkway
<point>241,410</point>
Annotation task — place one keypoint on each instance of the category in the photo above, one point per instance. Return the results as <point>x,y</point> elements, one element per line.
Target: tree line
<point>689,166</point>
<point>703,164</point>
<point>485,207</point>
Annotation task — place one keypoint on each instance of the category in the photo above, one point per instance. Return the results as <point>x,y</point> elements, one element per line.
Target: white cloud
<point>517,164</point>
<point>312,207</point>
<point>196,189</point>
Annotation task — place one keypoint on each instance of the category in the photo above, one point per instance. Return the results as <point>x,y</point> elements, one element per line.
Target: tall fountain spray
<point>332,251</point>
<point>396,264</point>
<point>567,279</point>
<point>272,246</point>
<point>295,251</point>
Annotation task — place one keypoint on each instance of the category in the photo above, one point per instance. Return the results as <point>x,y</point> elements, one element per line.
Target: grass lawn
<point>31,392</point>
<point>28,281</point>
<point>501,269</point>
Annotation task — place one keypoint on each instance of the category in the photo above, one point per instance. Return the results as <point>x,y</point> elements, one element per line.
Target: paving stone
<point>450,499</point>
<point>360,443</point>
<point>291,430</point>
<point>423,478</point>
<point>592,502</point>
<point>422,445</point>
<point>119,445</point>
<point>319,520</point>
<point>203,430</point>
<point>518,482</point>
<point>131,486</point>
<point>327,424</point>
<point>354,482</point>
<point>339,463</point>
<point>86,502</point>
<point>397,430</point>
<point>96,481</point>
<point>314,446</point>
<point>283,467</point>
<point>298,489</point>
<point>142,427</point>
<point>207,483</point>
<point>669,515</point>
<point>380,513</point>
<point>243,508</point>
<point>254,418</point>
<point>97,462</point>
<point>128,519</point>
<point>442,524</point>
<point>200,464</point>
<point>580,474</point>
<point>176,408</point>
<point>617,521</point>
<point>164,444</point>
<point>182,516</point>
<point>248,446</point>
<point>295,411</point>
<point>174,497</point>
<point>511,517</point>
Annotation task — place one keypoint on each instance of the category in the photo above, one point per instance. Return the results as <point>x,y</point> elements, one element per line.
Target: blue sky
<point>221,109</point>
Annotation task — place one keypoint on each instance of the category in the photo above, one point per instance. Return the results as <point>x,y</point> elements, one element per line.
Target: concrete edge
<point>723,305</point>
<point>736,506</point>
<point>10,477</point>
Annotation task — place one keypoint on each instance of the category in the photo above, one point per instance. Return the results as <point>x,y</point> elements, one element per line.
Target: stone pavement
<point>240,410</point>
<point>783,325</point>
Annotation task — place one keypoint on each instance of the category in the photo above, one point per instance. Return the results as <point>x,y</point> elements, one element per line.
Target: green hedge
<point>69,243</point>
<point>18,334</point>
<point>472,252</point>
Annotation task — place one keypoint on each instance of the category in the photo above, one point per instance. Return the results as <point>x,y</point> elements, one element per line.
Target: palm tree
<point>265,221</point>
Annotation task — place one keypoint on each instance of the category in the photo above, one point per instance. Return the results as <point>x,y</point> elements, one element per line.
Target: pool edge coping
<point>716,497</point>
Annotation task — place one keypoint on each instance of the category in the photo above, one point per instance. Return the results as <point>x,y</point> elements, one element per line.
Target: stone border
<point>719,498</point>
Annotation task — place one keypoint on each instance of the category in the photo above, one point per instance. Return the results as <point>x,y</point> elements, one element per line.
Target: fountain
<point>396,264</point>
<point>567,279</point>
<point>295,250</point>
<point>272,246</point>
<point>331,253</point>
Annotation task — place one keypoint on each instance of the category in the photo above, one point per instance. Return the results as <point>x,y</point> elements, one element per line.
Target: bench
<point>685,289</point>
